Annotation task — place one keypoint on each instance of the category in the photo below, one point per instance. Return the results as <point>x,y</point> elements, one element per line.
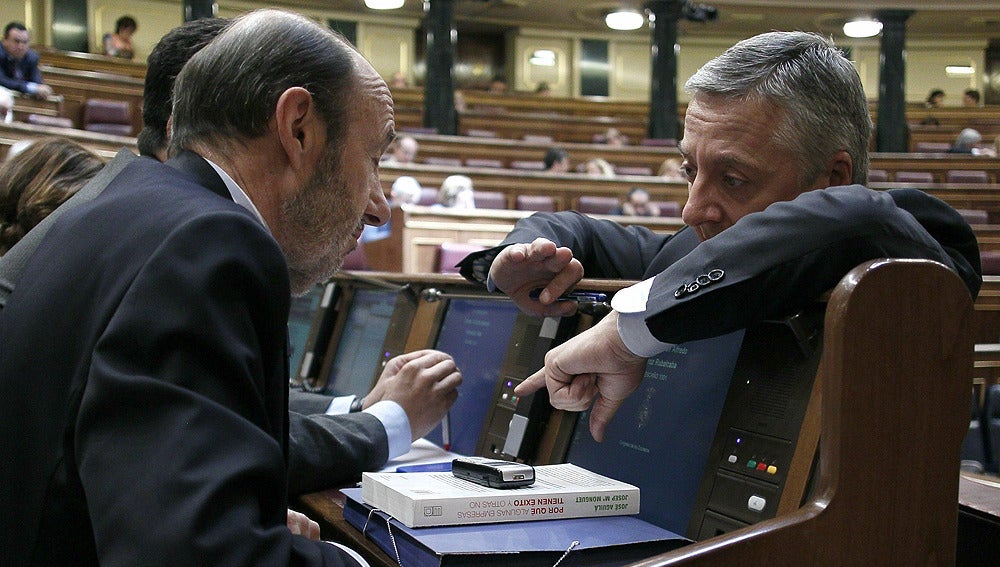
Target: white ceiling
<point>931,20</point>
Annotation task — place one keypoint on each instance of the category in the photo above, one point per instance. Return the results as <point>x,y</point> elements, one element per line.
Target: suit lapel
<point>199,170</point>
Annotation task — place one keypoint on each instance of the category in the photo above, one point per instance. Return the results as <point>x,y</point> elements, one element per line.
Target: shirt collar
<point>239,196</point>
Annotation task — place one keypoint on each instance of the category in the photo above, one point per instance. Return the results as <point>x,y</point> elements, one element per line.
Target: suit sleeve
<point>605,248</point>
<point>179,440</point>
<point>333,450</point>
<point>779,260</point>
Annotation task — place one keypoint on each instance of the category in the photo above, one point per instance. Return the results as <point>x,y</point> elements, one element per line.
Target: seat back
<point>490,200</point>
<point>669,208</point>
<point>445,161</point>
<point>451,253</point>
<point>974,216</point>
<point>990,261</point>
<point>45,120</point>
<point>932,147</point>
<point>966,176</point>
<point>914,177</point>
<point>428,196</point>
<point>878,175</point>
<point>483,162</point>
<point>107,116</point>
<point>540,203</point>
<point>596,205</point>
<point>531,165</point>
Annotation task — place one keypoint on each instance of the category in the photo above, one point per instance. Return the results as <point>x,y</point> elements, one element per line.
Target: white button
<point>756,503</point>
<point>732,458</point>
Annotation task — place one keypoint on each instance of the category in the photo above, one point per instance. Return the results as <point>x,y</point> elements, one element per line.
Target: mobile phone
<point>493,473</point>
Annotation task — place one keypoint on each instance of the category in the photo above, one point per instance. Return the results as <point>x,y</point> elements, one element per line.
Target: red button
<point>761,466</point>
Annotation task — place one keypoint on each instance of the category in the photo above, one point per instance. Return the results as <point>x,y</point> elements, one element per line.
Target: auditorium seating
<point>107,116</point>
<point>932,147</point>
<point>428,196</point>
<point>878,175</point>
<point>483,162</point>
<point>991,427</point>
<point>914,177</point>
<point>451,253</point>
<point>490,200</point>
<point>592,204</point>
<point>633,170</point>
<point>668,208</point>
<point>45,120</point>
<point>973,216</point>
<point>533,165</point>
<point>539,203</point>
<point>450,162</point>
<point>966,176</point>
<point>991,262</point>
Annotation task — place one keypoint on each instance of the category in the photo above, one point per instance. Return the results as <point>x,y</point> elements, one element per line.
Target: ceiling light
<point>862,28</point>
<point>624,20</point>
<point>384,4</point>
<point>959,70</point>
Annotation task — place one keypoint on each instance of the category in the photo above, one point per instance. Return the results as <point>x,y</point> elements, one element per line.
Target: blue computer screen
<point>660,438</point>
<point>360,349</point>
<point>300,319</point>
<point>475,332</point>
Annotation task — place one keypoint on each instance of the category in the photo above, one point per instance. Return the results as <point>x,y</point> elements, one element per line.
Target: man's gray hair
<point>820,92</point>
<point>228,91</point>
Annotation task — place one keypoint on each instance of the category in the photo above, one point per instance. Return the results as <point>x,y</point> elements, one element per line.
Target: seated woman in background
<point>456,193</point>
<point>37,180</point>
<point>119,44</point>
<point>598,167</point>
<point>670,169</point>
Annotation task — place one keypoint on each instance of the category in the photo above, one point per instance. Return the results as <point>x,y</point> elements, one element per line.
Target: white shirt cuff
<point>630,303</point>
<point>340,404</point>
<point>397,426</point>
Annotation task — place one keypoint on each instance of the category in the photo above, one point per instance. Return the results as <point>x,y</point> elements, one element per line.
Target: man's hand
<point>424,383</point>
<point>43,91</point>
<point>300,524</point>
<point>521,268</point>
<point>594,366</point>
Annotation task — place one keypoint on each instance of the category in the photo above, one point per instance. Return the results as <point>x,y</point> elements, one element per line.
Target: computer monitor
<point>373,327</point>
<point>305,323</point>
<point>660,437</point>
<point>714,429</point>
<point>475,332</point>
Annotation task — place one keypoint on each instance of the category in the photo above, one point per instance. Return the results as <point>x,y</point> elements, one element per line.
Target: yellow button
<point>772,469</point>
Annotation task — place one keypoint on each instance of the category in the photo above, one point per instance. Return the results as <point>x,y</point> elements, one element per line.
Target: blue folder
<point>611,540</point>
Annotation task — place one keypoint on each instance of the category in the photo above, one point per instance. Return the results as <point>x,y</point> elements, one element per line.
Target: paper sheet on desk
<point>421,452</point>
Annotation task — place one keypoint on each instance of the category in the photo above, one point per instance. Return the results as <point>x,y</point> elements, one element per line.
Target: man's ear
<point>840,169</point>
<point>299,127</point>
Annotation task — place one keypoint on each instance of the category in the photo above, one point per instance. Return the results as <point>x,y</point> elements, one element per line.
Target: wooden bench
<point>76,86</point>
<point>50,57</point>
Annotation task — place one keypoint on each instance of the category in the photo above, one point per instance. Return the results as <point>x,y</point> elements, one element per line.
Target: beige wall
<point>31,13</point>
<point>155,18</point>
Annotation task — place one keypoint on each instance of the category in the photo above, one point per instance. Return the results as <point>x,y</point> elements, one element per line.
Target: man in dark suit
<point>776,131</point>
<point>331,440</point>
<point>143,371</point>
<point>19,64</point>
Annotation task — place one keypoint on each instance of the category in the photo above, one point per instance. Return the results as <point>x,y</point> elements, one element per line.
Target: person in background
<point>404,150</point>
<point>965,142</point>
<point>398,81</point>
<point>637,204</point>
<point>556,160</point>
<point>19,64</point>
<point>6,105</point>
<point>670,169</point>
<point>498,85</point>
<point>456,193</point>
<point>119,44</point>
<point>970,98</point>
<point>37,180</point>
<point>598,167</point>
<point>405,190</point>
<point>935,99</point>
<point>543,89</point>
<point>613,137</point>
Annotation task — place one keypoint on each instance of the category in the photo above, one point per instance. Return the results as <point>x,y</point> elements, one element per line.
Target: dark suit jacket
<point>330,450</point>
<point>144,380</point>
<point>28,67</point>
<point>774,262</point>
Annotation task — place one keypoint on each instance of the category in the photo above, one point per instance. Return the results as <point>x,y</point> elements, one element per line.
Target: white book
<point>439,499</point>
